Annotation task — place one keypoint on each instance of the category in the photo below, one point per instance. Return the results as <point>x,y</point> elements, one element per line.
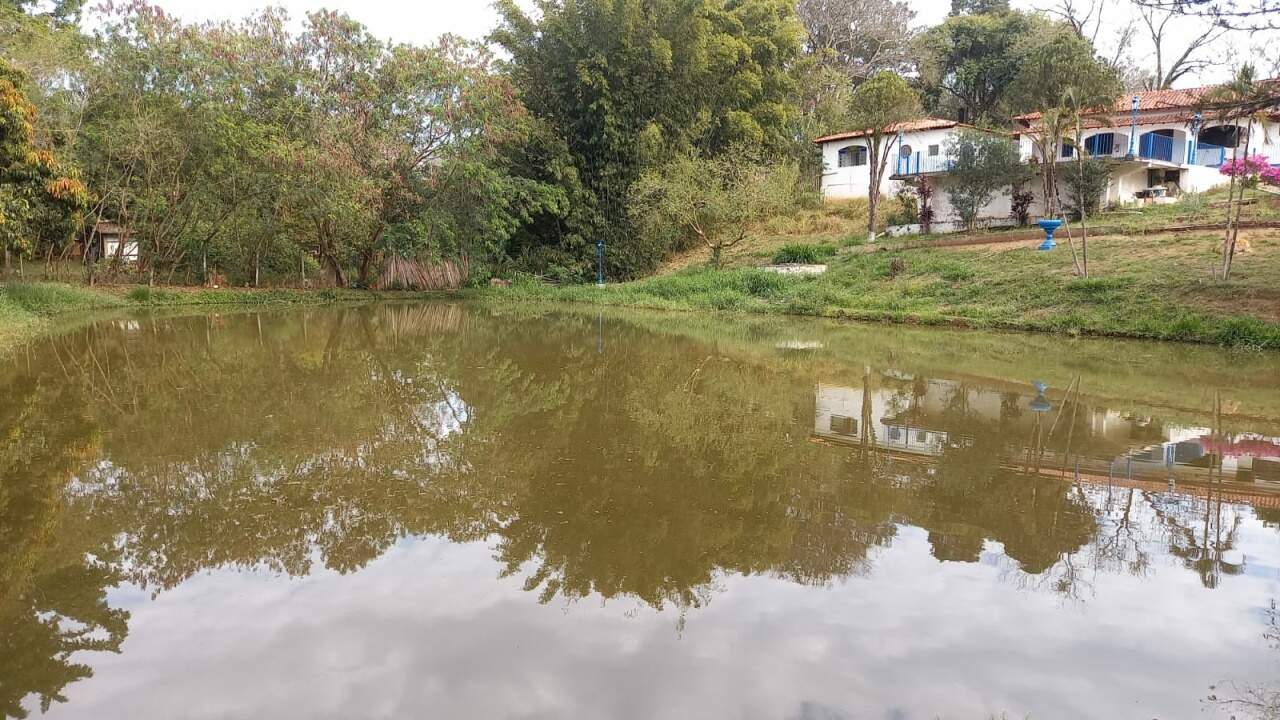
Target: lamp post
<point>1193,146</point>
<point>600,263</point>
<point>1133,129</point>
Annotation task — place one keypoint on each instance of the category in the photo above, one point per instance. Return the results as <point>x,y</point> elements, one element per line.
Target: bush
<point>803,253</point>
<point>908,210</point>
<point>982,165</point>
<point>1085,183</point>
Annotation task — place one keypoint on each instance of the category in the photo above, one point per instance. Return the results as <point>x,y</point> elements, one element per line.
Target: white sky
<point>421,21</point>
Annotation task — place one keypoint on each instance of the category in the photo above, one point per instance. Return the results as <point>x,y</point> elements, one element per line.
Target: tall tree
<point>620,86</point>
<point>1250,15</point>
<point>879,108</point>
<point>1062,81</point>
<point>860,37</point>
<point>978,7</point>
<point>969,62</point>
<point>1175,60</point>
<point>41,201</point>
<point>1237,104</point>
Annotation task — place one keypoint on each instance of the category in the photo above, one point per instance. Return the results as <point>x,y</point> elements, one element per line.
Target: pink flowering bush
<point>1252,169</point>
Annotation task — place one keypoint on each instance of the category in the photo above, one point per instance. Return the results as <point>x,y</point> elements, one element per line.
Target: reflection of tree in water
<point>53,573</point>
<point>645,471</point>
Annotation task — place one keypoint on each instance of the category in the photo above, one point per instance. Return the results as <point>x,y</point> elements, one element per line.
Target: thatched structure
<point>404,274</point>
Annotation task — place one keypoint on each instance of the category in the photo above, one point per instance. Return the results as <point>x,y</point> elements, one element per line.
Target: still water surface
<point>440,511</point>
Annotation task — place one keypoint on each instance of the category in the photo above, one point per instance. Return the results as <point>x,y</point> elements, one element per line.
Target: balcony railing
<point>920,164</point>
<point>1151,146</point>
<point>1155,147</point>
<point>1210,155</point>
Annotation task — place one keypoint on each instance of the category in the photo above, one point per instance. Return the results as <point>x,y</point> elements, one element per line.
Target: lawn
<point>1145,286</point>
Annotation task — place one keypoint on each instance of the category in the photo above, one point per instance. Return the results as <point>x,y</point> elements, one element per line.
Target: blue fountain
<point>1049,227</point>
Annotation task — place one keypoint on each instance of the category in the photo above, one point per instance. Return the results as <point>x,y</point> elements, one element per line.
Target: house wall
<point>855,182</point>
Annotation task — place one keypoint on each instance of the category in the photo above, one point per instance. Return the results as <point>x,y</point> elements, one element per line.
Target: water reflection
<point>654,462</point>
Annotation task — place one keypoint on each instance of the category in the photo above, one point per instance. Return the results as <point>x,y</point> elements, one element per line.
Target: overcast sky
<point>421,21</point>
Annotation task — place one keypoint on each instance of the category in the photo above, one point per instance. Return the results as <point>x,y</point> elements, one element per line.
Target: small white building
<point>917,149</point>
<point>1157,141</point>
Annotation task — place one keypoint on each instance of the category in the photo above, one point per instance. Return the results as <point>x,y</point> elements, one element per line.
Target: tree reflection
<point>648,469</point>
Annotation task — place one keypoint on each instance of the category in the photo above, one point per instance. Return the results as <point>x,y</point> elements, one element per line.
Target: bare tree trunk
<point>873,205</point>
<point>1084,215</point>
<point>1071,242</point>
<point>1233,222</point>
<point>1235,205</point>
<point>339,276</point>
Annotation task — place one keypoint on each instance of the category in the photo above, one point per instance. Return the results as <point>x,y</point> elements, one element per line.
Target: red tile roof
<point>1181,99</point>
<point>928,123</point>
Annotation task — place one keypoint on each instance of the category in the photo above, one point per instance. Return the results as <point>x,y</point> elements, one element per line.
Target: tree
<point>878,108</point>
<point>620,86</point>
<point>1238,103</point>
<point>41,202</point>
<point>1195,56</point>
<point>978,7</point>
<point>1062,81</point>
<point>969,63</point>
<point>713,201</point>
<point>1088,19</point>
<point>1251,15</point>
<point>860,37</point>
<point>1085,186</point>
<point>982,164</point>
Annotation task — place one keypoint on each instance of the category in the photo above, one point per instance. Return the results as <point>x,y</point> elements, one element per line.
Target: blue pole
<point>1133,127</point>
<point>600,263</point>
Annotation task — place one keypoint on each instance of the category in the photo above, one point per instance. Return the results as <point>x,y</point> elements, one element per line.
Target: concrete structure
<point>111,241</point>
<point>1157,142</point>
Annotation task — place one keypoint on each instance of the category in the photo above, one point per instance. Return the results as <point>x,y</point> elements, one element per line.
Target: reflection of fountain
<point>1041,403</point>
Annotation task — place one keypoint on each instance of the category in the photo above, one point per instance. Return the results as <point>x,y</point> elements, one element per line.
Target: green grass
<point>1156,288</point>
<point>804,253</point>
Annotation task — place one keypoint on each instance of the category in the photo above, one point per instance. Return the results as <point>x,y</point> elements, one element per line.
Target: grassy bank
<point>27,309</point>
<point>1154,287</point>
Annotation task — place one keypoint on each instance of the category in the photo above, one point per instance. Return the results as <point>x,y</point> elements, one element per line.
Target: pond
<point>456,511</point>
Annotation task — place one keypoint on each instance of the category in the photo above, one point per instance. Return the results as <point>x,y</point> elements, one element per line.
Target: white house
<point>918,149</point>
<point>1158,142</point>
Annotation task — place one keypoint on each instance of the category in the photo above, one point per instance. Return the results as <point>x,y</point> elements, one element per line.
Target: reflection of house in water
<point>925,417</point>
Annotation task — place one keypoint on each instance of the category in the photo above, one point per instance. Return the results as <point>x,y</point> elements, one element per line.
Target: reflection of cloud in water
<point>426,628</point>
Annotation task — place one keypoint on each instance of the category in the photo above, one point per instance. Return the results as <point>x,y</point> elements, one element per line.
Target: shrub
<point>803,253</point>
<point>1085,183</point>
<point>908,211</point>
<point>1020,206</point>
<point>981,165</point>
